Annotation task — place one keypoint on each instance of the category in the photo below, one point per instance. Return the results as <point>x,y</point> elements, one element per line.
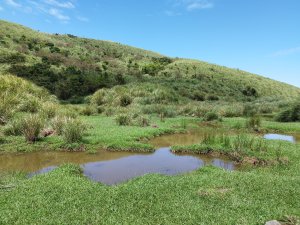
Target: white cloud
<point>13,3</point>
<point>82,19</point>
<point>286,52</point>
<point>58,14</point>
<point>199,5</point>
<point>191,5</point>
<point>66,5</point>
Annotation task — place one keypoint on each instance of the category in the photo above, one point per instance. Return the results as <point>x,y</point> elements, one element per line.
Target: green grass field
<point>66,93</point>
<point>250,195</point>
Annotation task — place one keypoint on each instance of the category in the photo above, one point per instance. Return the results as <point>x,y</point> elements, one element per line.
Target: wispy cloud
<point>191,5</point>
<point>1,9</point>
<point>66,5</point>
<point>58,14</point>
<point>13,3</point>
<point>194,5</point>
<point>82,19</point>
<point>286,52</point>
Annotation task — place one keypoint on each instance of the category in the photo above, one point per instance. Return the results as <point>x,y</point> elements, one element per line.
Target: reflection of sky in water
<point>116,167</point>
<point>163,161</point>
<point>280,137</point>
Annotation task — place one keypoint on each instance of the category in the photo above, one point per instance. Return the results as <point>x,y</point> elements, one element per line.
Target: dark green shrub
<point>250,92</point>
<point>125,100</point>
<point>212,98</point>
<point>211,116</point>
<point>198,96</point>
<point>292,114</point>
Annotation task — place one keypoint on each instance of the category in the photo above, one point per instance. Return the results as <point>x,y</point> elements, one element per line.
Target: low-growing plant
<point>31,127</point>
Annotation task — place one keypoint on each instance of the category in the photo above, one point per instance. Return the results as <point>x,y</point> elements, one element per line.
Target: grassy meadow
<point>66,93</point>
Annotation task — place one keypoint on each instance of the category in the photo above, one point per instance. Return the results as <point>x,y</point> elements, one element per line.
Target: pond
<point>116,167</point>
<point>295,138</point>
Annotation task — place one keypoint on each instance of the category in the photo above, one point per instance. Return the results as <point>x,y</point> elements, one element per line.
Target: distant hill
<point>72,67</point>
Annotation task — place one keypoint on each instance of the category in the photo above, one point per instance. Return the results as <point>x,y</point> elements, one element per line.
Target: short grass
<point>209,195</point>
<point>267,126</point>
<point>103,133</point>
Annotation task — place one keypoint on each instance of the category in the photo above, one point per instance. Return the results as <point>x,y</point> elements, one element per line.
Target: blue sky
<point>259,36</point>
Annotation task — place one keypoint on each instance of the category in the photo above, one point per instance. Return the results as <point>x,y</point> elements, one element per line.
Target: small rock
<point>47,132</point>
<point>273,222</point>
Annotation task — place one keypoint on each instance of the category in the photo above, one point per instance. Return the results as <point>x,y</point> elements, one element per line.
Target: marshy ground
<point>207,195</point>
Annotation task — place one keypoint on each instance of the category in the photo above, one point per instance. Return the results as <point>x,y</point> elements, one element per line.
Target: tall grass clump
<point>254,123</point>
<point>14,127</point>
<point>142,121</point>
<point>250,109</point>
<point>49,110</point>
<point>88,110</point>
<point>123,119</point>
<point>58,123</point>
<point>31,127</point>
<point>73,130</point>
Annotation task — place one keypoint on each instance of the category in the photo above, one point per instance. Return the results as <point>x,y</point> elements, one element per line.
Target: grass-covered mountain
<point>72,68</point>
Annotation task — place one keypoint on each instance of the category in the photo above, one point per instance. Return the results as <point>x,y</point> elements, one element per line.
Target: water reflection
<point>290,138</point>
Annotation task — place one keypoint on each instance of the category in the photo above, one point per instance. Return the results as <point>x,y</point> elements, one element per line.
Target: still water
<point>116,167</point>
<point>295,138</point>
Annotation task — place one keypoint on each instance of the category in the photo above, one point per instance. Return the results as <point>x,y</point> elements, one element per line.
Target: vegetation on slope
<point>71,67</point>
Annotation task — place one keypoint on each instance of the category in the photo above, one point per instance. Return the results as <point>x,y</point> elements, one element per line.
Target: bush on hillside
<point>14,127</point>
<point>292,114</point>
<point>125,100</point>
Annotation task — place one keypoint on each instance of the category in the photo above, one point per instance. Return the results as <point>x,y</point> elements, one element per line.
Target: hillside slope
<point>71,68</point>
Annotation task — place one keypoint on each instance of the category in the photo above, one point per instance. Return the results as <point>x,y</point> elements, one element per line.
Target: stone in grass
<point>273,222</point>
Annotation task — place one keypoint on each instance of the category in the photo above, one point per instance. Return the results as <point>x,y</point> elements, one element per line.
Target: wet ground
<point>116,167</point>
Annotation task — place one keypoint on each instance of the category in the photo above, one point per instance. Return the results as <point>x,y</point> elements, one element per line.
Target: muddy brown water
<point>116,167</point>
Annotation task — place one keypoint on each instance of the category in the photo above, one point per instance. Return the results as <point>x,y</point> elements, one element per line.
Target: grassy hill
<point>72,68</point>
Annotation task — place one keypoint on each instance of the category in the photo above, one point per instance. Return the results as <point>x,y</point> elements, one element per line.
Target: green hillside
<point>72,68</point>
